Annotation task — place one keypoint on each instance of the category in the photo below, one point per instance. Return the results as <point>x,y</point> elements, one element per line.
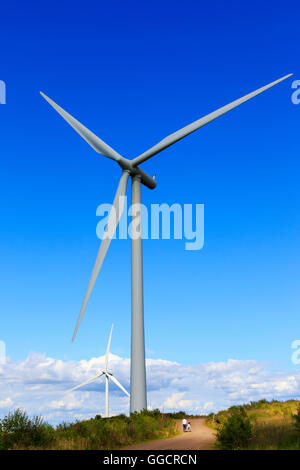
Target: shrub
<point>296,418</point>
<point>17,429</point>
<point>177,415</point>
<point>236,430</point>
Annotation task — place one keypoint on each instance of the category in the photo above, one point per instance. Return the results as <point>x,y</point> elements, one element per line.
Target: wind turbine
<point>108,376</point>
<point>138,399</point>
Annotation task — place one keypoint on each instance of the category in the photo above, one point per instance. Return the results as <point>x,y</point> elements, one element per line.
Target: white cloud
<point>208,405</point>
<point>6,403</point>
<point>57,404</point>
<point>40,385</point>
<point>173,400</point>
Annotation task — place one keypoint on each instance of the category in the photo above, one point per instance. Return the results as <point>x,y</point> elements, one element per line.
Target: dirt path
<point>201,438</point>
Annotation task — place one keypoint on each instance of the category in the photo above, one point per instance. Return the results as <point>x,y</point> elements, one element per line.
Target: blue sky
<point>133,72</point>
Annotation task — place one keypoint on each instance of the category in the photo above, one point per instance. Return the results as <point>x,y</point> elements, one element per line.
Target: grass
<point>18,431</point>
<point>273,424</point>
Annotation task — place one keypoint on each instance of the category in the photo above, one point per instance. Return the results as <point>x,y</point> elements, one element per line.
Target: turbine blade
<point>87,382</point>
<point>86,134</point>
<point>112,223</point>
<point>118,384</point>
<point>107,349</point>
<point>181,133</point>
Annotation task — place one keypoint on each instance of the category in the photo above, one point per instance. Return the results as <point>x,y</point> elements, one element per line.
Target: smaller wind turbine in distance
<point>108,376</point>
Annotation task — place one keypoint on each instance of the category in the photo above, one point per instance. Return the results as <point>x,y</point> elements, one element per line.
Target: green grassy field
<point>258,425</point>
<point>18,431</point>
<point>272,425</point>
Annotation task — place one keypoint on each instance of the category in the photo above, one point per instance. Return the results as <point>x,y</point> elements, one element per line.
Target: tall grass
<point>274,424</point>
<point>236,431</point>
<point>93,434</point>
<point>17,429</point>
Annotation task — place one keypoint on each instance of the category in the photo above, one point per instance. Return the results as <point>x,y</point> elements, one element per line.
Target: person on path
<point>189,426</point>
<point>184,424</point>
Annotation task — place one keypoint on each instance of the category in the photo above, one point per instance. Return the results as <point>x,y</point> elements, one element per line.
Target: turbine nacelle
<point>146,179</point>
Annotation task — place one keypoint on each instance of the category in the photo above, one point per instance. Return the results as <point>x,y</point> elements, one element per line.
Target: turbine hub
<point>146,179</point>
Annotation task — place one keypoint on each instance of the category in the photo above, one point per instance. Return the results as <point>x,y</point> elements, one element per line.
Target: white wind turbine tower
<point>138,399</point>
<point>108,376</point>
